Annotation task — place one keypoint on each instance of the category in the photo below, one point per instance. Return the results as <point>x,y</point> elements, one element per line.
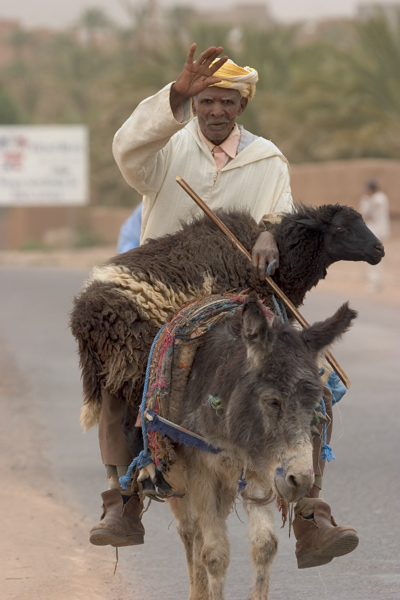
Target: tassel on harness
<point>326,453</point>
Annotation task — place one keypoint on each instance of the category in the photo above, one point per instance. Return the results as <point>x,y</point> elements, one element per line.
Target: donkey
<point>266,379</point>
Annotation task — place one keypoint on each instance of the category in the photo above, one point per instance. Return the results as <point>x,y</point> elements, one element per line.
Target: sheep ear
<point>324,333</point>
<point>311,223</point>
<point>255,329</point>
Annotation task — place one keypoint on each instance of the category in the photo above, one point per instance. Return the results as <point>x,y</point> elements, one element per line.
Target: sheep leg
<point>263,541</point>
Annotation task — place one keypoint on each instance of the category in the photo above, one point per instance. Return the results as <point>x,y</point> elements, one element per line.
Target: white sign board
<point>43,165</point>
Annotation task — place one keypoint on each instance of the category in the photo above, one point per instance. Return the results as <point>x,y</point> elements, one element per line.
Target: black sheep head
<point>346,236</point>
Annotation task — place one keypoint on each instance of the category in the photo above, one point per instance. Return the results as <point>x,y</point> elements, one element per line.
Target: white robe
<point>152,148</point>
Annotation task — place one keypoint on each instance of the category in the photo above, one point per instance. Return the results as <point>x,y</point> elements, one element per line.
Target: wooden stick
<point>207,210</point>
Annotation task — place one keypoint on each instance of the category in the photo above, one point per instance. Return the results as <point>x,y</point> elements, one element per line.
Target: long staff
<point>331,360</point>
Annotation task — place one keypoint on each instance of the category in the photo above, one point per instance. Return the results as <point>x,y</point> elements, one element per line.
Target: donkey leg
<point>213,503</point>
<point>263,541</point>
<point>200,577</point>
<point>192,540</point>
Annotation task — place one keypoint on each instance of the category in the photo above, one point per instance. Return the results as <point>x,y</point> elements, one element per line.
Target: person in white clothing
<point>374,207</point>
<point>189,129</point>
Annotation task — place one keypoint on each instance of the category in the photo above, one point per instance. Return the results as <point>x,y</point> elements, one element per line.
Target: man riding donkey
<point>189,128</point>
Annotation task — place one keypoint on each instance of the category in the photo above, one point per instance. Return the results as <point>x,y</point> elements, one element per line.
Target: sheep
<point>124,302</point>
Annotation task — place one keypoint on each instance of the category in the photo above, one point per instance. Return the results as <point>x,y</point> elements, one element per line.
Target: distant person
<point>129,235</point>
<point>374,207</point>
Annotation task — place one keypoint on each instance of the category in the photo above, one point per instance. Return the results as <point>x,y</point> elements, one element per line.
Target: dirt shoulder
<point>44,548</point>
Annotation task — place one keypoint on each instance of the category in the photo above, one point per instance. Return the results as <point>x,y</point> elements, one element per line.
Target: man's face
<point>217,109</point>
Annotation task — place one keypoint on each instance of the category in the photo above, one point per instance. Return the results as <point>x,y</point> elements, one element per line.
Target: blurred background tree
<point>10,114</point>
<point>327,92</point>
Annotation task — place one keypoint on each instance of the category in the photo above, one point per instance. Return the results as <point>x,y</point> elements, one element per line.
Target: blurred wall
<point>342,182</point>
<point>313,184</point>
<point>59,227</point>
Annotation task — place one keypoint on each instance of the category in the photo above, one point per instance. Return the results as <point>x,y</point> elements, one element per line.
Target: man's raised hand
<point>196,75</point>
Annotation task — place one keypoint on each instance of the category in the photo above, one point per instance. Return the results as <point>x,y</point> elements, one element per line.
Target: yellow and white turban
<point>233,77</point>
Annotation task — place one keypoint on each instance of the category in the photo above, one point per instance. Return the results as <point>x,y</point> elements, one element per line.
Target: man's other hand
<point>265,251</point>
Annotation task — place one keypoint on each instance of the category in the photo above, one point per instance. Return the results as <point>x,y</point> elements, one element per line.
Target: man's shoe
<point>120,523</point>
<point>319,539</point>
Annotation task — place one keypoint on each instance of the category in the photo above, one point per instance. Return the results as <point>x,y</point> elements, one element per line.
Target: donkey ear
<point>255,328</point>
<point>324,333</point>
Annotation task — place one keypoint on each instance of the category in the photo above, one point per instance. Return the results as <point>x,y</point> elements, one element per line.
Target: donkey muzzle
<point>292,480</point>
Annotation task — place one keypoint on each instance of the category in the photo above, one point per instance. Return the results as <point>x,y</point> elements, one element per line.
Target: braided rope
<point>326,453</point>
<point>143,457</point>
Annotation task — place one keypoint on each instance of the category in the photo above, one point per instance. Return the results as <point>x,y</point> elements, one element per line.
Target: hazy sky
<point>58,13</point>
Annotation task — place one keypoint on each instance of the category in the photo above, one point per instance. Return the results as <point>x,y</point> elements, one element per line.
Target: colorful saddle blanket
<point>172,356</point>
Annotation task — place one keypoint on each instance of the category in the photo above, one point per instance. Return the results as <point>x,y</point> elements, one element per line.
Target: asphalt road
<point>362,484</point>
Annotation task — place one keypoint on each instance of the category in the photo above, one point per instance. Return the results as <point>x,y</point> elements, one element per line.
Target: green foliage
<point>334,94</point>
<point>87,239</point>
<point>10,114</point>
<point>33,246</point>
